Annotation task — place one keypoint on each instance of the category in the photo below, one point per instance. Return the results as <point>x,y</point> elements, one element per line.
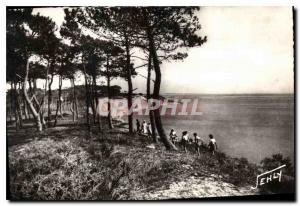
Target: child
<point>212,144</point>
<point>185,139</point>
<point>190,141</point>
<point>149,130</point>
<point>144,127</point>
<point>138,126</point>
<point>173,136</point>
<point>198,143</point>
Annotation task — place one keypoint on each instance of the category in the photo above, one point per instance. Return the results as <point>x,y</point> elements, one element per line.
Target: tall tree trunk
<point>61,105</point>
<point>43,119</point>
<point>73,100</point>
<point>87,99</point>
<point>30,85</point>
<point>30,92</point>
<point>28,109</point>
<point>50,99</point>
<point>109,118</point>
<point>151,113</point>
<point>39,108</point>
<point>96,103</point>
<point>167,142</point>
<point>58,106</point>
<point>19,107</point>
<point>129,81</point>
<point>33,111</point>
<point>11,101</point>
<point>92,100</point>
<point>17,117</point>
<point>26,114</point>
<point>42,110</point>
<point>34,85</point>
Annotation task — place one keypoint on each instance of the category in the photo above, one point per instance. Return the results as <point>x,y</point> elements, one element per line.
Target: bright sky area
<point>249,50</point>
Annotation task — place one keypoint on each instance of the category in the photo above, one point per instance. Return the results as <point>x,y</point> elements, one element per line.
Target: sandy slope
<point>196,187</point>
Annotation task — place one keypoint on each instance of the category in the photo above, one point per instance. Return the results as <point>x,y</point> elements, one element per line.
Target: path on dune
<point>196,187</point>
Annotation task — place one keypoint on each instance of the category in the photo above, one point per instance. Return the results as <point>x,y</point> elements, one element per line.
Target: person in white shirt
<point>212,144</point>
<point>173,136</point>
<point>185,139</point>
<point>149,130</point>
<point>198,143</point>
<point>144,127</point>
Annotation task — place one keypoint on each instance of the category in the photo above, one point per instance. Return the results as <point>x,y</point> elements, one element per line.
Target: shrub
<point>287,184</point>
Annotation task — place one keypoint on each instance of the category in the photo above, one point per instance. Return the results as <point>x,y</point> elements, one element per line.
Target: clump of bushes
<point>239,171</point>
<point>287,184</point>
<point>63,170</point>
<point>52,170</point>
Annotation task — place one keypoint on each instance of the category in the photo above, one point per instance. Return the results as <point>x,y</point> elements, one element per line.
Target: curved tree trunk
<point>39,108</point>
<point>167,142</point>
<point>33,111</point>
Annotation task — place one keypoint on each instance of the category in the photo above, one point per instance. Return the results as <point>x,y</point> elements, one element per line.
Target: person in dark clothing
<point>198,143</point>
<point>138,126</point>
<point>185,139</point>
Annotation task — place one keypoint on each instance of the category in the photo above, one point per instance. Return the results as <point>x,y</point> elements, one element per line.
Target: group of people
<point>197,141</point>
<point>145,129</point>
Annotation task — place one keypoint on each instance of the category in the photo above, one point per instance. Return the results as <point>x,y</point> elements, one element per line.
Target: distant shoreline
<point>232,94</point>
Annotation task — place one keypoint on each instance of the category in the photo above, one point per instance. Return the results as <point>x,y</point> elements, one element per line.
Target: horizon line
<point>255,93</point>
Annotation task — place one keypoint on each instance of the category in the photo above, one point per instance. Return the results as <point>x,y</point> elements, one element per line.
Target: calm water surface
<point>251,126</point>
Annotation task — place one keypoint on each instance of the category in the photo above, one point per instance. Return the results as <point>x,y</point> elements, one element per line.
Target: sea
<point>253,126</point>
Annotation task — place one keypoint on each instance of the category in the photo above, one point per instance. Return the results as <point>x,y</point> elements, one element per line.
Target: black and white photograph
<point>145,103</point>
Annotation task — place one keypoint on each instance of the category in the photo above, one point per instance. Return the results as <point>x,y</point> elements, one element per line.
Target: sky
<point>249,50</point>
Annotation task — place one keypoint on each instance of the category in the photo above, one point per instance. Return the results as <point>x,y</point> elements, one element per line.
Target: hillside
<point>67,163</point>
